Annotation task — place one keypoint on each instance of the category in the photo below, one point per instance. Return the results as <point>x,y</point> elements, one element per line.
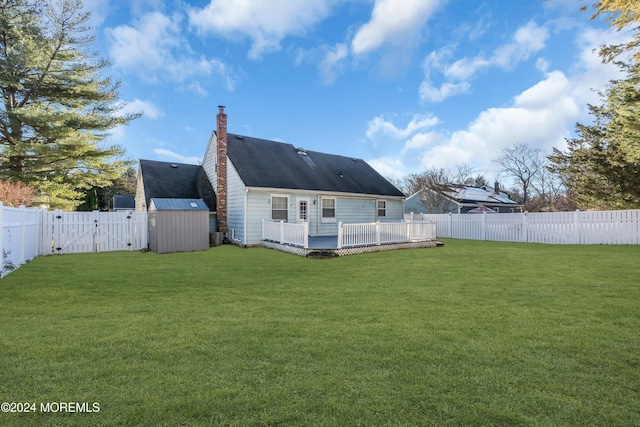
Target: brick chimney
<point>221,169</point>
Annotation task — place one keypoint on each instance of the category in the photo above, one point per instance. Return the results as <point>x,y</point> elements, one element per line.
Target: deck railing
<point>380,233</point>
<point>286,233</point>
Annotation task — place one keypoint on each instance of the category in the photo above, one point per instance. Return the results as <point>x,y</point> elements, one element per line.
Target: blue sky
<point>402,84</point>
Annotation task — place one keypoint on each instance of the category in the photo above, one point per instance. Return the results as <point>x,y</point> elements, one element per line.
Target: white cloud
<point>155,49</point>
<point>148,109</point>
<point>430,93</point>
<point>393,22</point>
<point>422,140</point>
<point>388,167</point>
<point>168,155</point>
<point>265,22</point>
<point>527,40</point>
<point>331,65</point>
<point>380,126</point>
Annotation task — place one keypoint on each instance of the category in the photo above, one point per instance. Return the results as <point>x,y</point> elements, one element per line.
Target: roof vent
<point>193,204</point>
<point>174,165</point>
<point>302,151</point>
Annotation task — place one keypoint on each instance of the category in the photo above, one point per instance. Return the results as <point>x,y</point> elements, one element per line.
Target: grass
<point>473,333</point>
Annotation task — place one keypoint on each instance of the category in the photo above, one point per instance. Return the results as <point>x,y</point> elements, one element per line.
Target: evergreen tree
<point>57,106</point>
<point>601,167</point>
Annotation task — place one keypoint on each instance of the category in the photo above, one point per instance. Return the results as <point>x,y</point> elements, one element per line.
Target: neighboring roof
<point>468,194</point>
<point>176,181</point>
<point>124,201</point>
<point>271,164</point>
<point>178,205</point>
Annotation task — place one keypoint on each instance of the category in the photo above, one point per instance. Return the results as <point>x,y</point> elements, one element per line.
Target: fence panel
<point>598,227</point>
<point>81,232</point>
<point>21,236</point>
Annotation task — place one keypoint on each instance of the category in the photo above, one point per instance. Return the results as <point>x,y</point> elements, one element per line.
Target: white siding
<point>394,210</point>
<point>235,205</point>
<point>209,160</point>
<point>140,199</point>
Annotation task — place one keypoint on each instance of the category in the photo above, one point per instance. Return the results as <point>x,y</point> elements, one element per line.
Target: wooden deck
<point>327,247</point>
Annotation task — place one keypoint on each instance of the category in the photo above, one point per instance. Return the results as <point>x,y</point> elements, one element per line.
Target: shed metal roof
<point>160,204</point>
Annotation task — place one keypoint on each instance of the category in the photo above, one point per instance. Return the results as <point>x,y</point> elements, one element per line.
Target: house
<point>460,199</point>
<point>257,179</point>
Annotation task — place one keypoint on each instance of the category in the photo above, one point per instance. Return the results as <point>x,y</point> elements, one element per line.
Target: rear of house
<point>260,180</point>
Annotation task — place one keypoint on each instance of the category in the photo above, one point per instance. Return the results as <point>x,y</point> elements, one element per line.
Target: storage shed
<point>178,225</point>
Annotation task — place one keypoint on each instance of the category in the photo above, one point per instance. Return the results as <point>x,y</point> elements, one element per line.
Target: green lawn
<point>472,333</point>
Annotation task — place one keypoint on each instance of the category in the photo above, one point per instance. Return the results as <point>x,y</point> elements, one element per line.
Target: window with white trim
<point>280,208</point>
<point>382,208</point>
<point>328,209</point>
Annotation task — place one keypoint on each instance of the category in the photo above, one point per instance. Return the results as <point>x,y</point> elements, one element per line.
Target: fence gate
<point>77,232</point>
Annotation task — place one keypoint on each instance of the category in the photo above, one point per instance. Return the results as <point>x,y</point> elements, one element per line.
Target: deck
<point>351,238</point>
<point>327,247</point>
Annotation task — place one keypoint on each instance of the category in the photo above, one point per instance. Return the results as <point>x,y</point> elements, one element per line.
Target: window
<point>382,208</point>
<point>279,208</point>
<point>302,213</point>
<point>328,209</point>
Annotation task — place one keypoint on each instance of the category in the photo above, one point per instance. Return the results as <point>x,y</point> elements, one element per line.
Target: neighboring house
<point>167,180</point>
<point>258,180</point>
<point>124,202</point>
<point>461,199</point>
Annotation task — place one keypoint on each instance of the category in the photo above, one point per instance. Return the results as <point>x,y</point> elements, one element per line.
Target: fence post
<point>96,237</point>
<point>57,231</point>
<point>378,233</point>
<point>577,225</point>
<point>339,245</point>
<point>450,225</point>
<point>23,226</point>
<point>525,233</point>
<point>484,226</point>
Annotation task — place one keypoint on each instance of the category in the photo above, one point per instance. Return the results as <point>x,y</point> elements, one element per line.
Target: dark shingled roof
<point>176,181</point>
<point>270,164</point>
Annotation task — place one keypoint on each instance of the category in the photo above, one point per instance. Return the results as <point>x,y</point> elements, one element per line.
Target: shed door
<point>303,209</point>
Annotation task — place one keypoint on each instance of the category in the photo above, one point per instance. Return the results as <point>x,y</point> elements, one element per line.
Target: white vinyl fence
<point>584,228</point>
<point>30,232</point>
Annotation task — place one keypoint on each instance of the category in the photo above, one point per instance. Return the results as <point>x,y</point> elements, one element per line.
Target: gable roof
<point>271,164</point>
<point>479,195</point>
<point>469,195</point>
<point>176,181</point>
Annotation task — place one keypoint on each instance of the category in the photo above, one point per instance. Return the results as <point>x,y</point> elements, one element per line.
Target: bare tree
<point>524,164</point>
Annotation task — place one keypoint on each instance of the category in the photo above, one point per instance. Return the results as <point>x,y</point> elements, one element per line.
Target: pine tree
<point>57,105</point>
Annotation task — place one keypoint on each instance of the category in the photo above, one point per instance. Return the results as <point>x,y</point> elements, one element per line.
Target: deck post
<point>263,229</point>
<point>281,231</point>
<point>339,245</point>
<point>306,235</point>
<point>378,233</point>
